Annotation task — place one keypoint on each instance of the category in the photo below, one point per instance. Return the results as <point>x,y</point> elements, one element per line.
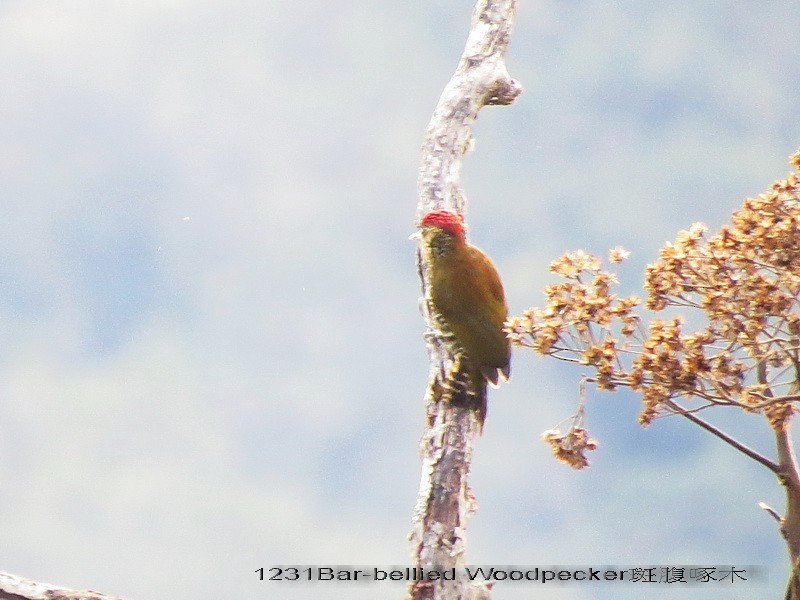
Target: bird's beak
<point>416,236</point>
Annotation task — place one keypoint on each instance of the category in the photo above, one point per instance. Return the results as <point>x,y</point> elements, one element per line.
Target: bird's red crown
<point>447,220</point>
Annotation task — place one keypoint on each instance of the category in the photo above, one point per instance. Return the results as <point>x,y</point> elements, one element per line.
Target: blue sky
<point>212,357</point>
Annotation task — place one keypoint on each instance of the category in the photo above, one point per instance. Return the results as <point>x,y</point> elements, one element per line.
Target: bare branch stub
<point>13,587</point>
<point>445,501</point>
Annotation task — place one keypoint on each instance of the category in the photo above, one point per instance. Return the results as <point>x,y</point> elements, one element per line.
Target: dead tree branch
<point>13,587</point>
<point>790,524</point>
<point>445,501</point>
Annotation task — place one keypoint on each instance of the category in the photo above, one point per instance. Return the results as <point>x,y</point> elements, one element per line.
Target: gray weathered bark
<point>445,501</point>
<point>790,524</point>
<point>13,587</point>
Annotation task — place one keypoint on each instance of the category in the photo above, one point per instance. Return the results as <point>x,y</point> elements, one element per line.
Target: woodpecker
<point>467,303</point>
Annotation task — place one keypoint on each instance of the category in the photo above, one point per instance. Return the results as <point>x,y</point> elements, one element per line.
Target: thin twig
<point>744,449</point>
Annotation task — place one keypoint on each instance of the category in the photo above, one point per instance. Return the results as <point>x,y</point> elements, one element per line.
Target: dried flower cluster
<point>569,447</point>
<point>743,281</point>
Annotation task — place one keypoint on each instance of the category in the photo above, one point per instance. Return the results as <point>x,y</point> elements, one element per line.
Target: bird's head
<point>441,231</point>
<point>444,221</point>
